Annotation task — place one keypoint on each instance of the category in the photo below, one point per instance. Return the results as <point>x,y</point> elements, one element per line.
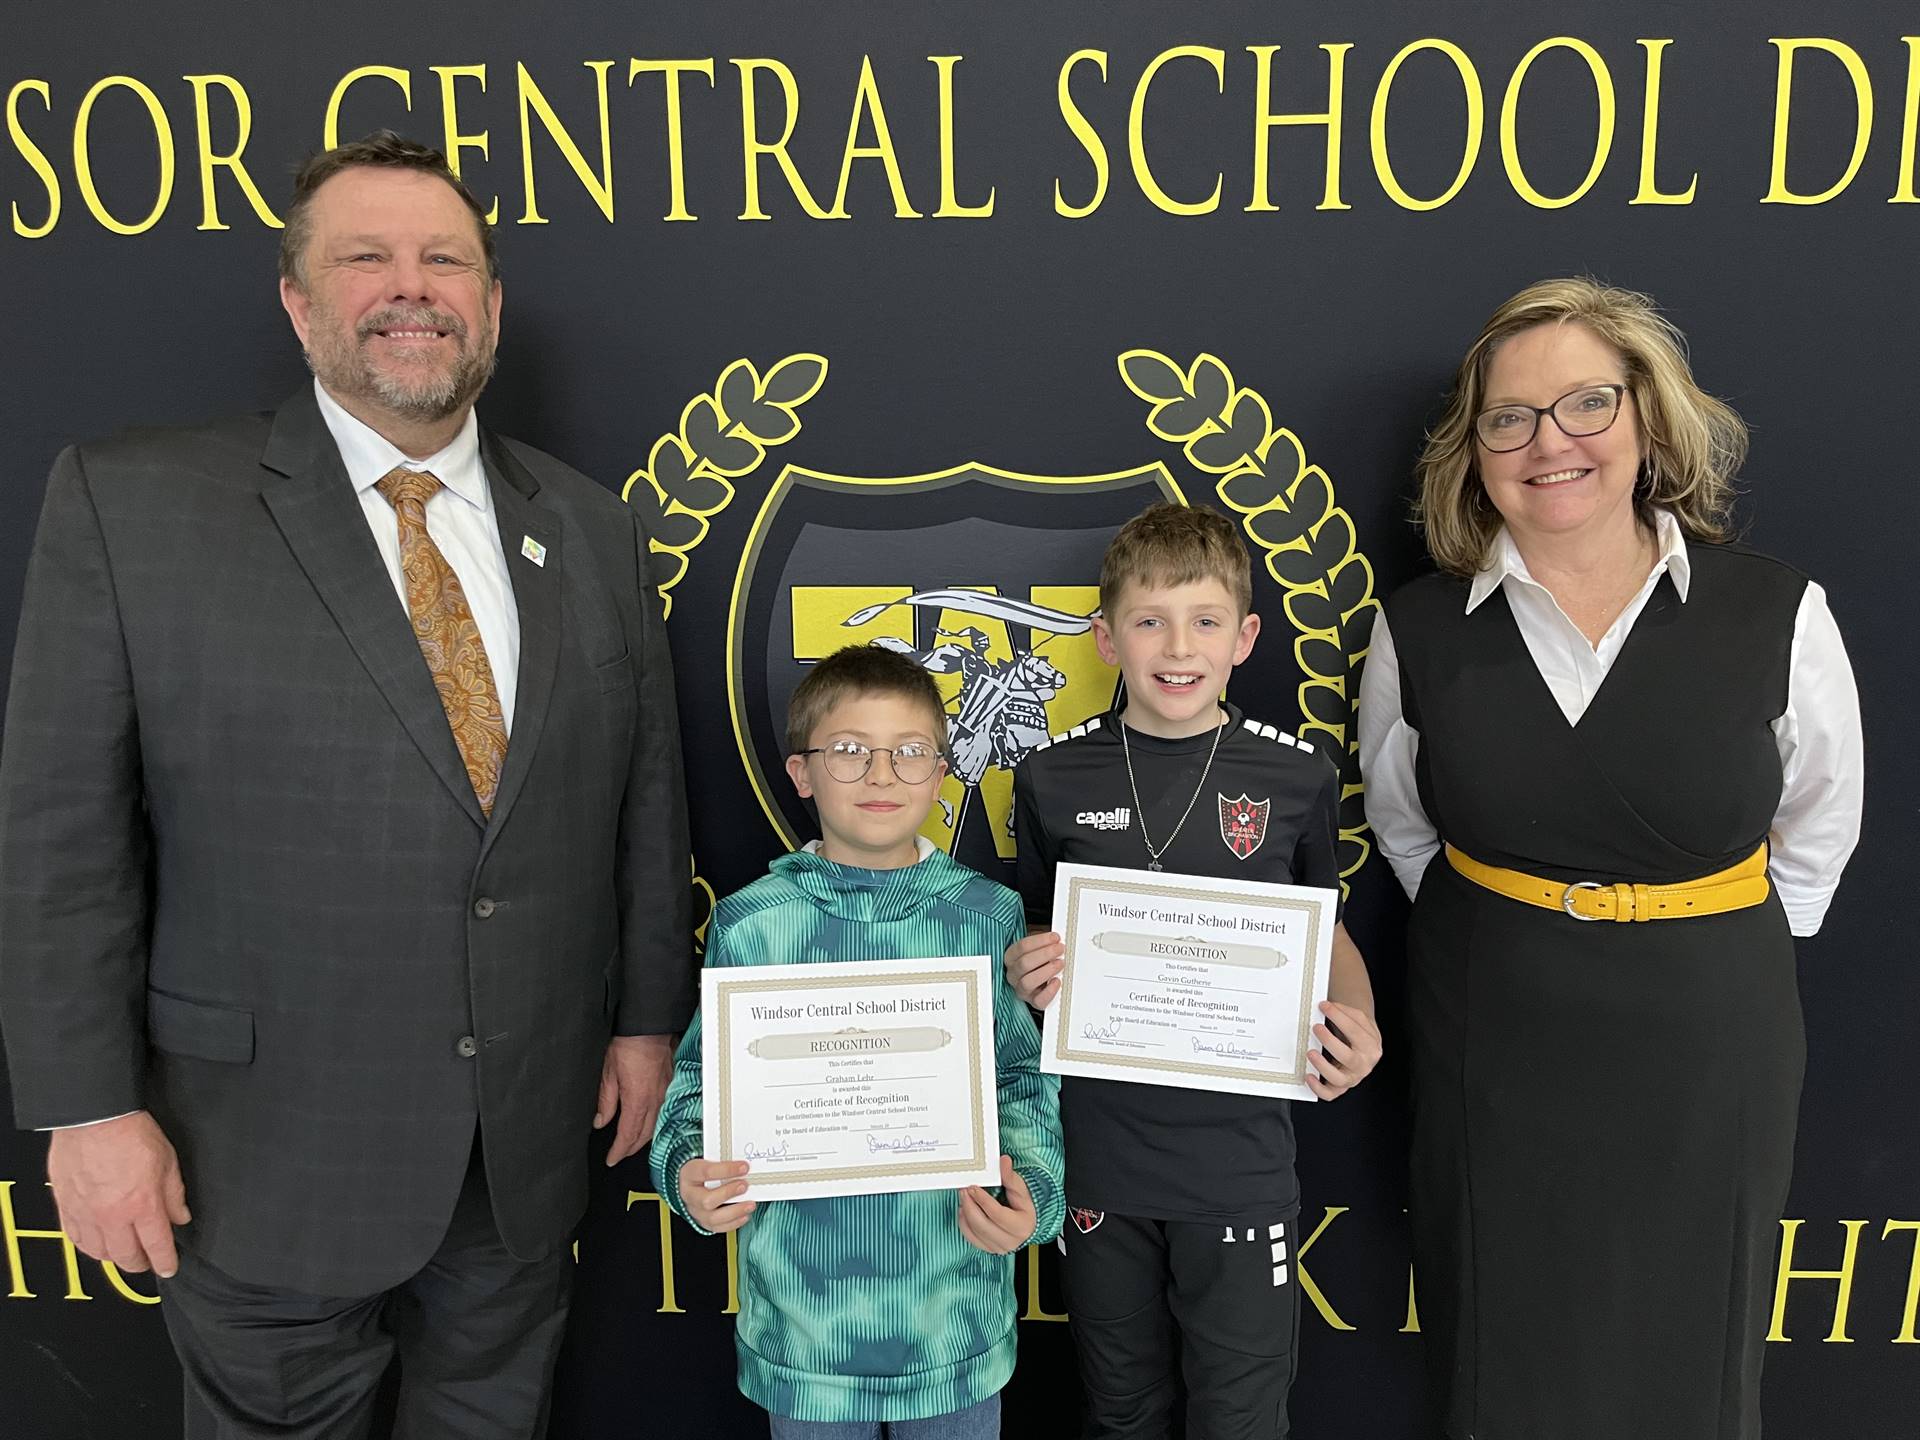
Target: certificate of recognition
<point>1188,981</point>
<point>852,1078</point>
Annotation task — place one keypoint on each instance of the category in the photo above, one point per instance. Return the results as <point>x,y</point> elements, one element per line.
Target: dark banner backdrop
<point>877,299</point>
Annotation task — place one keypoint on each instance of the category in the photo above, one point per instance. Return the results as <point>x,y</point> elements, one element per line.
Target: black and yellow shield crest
<point>987,578</point>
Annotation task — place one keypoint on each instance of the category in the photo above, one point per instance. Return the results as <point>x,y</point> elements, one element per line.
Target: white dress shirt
<point>460,519</point>
<point>1817,823</point>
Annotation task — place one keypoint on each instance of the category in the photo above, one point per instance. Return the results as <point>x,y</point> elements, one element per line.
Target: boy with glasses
<point>871,1314</point>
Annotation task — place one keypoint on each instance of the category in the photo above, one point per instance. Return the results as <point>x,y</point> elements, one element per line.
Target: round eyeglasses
<point>849,760</point>
<point>1586,411</point>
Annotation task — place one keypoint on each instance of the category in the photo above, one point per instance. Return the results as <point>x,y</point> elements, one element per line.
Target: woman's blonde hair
<point>1692,444</point>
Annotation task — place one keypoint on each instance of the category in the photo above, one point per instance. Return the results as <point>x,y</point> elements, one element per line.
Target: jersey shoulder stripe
<point>1272,732</point>
<point>1084,728</point>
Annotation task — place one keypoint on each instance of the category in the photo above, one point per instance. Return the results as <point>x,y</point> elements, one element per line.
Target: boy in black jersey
<point>1182,1204</point>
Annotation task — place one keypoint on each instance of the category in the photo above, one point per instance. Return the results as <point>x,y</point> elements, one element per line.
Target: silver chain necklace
<point>1153,855</point>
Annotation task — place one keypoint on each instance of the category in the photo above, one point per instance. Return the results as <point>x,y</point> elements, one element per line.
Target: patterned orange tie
<point>449,639</point>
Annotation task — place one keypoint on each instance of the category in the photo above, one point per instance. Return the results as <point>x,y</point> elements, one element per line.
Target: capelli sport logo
<point>1116,819</point>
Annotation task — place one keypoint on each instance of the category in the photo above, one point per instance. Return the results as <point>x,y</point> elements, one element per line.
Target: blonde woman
<point>1616,762</point>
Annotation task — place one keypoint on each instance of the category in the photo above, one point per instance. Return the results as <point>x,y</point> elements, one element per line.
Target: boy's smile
<point>871,822</point>
<point>1176,646</point>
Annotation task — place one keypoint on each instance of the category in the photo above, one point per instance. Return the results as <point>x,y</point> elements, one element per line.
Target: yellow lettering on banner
<point>866,101</point>
<point>330,132</point>
<point>1787,1275</point>
<point>35,158</point>
<point>1779,193</point>
<point>668,1302</point>
<point>1136,130</point>
<point>119,1283</point>
<point>1509,112</point>
<point>753,149</point>
<point>1650,192</point>
<point>243,119</point>
<point>950,206</point>
<point>1265,122</point>
<point>452,141</point>
<point>1034,1310</point>
<point>11,1235</point>
<point>1084,132</point>
<point>672,70</point>
<point>1907,1315</point>
<point>1307,1287</point>
<point>83,159</point>
<point>533,102</point>
<point>1909,125</point>
<point>1469,150</point>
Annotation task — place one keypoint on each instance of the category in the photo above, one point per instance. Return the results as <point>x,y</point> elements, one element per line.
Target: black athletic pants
<point>1167,1310</point>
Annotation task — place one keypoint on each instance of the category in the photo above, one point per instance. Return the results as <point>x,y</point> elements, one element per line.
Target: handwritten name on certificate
<point>1188,981</point>
<point>854,1078</point>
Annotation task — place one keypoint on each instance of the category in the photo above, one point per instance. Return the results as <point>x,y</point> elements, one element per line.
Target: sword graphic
<point>993,607</point>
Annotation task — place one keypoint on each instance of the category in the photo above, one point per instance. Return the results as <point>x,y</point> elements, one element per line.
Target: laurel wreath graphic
<point>723,436</point>
<point>1289,510</point>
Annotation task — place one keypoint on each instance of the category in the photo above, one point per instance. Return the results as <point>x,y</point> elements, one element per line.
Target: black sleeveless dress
<point>1603,1112</point>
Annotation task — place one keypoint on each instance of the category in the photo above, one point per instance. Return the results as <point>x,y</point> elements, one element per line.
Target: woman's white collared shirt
<point>1818,735</point>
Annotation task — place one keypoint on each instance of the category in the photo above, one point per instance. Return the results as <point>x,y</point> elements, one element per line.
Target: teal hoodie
<point>875,1307</point>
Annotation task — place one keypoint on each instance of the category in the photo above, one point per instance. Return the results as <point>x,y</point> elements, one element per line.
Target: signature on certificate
<point>1226,1049</point>
<point>755,1151</point>
<point>899,1144</point>
<point>1109,1031</point>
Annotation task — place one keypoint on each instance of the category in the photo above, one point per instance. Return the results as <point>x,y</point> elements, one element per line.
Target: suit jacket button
<point>483,907</point>
<point>467,1047</point>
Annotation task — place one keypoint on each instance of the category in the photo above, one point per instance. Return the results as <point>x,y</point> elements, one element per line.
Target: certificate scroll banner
<point>852,1078</point>
<point>847,1042</point>
<point>1189,981</point>
<point>1189,947</point>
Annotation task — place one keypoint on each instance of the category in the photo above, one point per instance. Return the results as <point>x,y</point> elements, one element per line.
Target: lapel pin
<point>533,550</point>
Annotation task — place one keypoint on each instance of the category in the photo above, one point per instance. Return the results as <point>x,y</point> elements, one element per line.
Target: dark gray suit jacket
<point>244,881</point>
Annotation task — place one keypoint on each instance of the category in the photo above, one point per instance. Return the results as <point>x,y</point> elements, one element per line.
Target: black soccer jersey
<point>1267,810</point>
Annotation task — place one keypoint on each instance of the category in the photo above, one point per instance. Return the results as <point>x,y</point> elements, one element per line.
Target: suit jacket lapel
<point>317,511</point>
<point>536,594</point>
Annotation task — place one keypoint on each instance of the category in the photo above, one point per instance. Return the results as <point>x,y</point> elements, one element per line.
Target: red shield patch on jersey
<point>1084,1220</point>
<point>1243,824</point>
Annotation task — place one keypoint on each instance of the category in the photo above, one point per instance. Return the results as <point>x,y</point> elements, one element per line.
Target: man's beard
<point>419,388</point>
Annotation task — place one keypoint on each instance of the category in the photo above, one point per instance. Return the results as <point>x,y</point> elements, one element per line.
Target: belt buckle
<point>1566,899</point>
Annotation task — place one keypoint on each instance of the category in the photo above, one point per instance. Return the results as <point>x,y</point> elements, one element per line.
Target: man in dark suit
<point>343,859</point>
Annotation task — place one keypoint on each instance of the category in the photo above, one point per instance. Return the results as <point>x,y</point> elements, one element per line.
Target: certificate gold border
<point>968,980</point>
<point>1196,890</point>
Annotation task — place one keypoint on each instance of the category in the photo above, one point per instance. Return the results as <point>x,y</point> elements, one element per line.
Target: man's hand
<point>1349,1049</point>
<point>633,1082</point>
<point>998,1227</point>
<point>709,1208</point>
<point>119,1190</point>
<point>1034,965</point>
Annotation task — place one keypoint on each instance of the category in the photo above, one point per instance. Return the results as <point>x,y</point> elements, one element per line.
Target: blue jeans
<point>976,1422</point>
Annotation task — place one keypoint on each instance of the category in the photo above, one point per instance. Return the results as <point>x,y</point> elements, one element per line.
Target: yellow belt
<point>1734,888</point>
